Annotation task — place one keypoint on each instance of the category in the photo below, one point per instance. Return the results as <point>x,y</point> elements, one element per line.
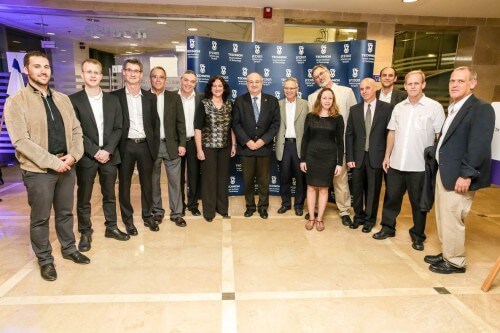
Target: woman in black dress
<point>322,153</point>
<point>215,145</point>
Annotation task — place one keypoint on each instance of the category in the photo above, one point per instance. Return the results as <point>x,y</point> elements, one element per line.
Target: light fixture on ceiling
<point>408,1</point>
<point>175,42</point>
<point>50,33</point>
<point>96,37</point>
<point>16,42</point>
<point>133,44</point>
<point>62,50</point>
<point>126,35</point>
<point>129,52</point>
<point>161,22</point>
<point>192,29</point>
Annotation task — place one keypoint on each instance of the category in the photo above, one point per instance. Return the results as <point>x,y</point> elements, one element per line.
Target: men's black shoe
<point>263,213</point>
<point>346,220</point>
<point>195,211</point>
<point>434,259</point>
<point>116,234</point>
<point>417,245</point>
<point>299,211</point>
<point>85,242</point>
<point>209,219</point>
<point>152,225</point>
<point>48,272</point>
<point>307,215</point>
<point>383,234</point>
<point>444,267</point>
<point>283,209</point>
<point>249,212</point>
<point>131,229</point>
<point>158,219</point>
<point>179,221</point>
<point>367,227</point>
<point>356,223</point>
<point>224,215</point>
<point>77,257</point>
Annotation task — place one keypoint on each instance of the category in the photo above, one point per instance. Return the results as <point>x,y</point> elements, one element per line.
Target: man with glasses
<point>172,148</point>
<point>100,116</point>
<point>139,144</point>
<point>293,112</point>
<point>345,98</point>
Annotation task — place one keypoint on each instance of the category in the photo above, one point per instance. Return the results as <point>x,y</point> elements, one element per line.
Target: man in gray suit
<point>172,147</point>
<point>387,93</point>
<point>293,111</point>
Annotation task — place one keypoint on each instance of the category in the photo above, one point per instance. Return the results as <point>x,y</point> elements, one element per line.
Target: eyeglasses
<point>92,73</point>
<point>320,74</point>
<point>134,71</point>
<point>158,77</point>
<point>288,88</point>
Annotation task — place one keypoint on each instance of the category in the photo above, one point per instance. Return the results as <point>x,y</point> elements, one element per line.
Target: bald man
<point>366,136</point>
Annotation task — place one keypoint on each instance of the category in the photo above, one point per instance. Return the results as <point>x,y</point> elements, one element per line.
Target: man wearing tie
<point>256,120</point>
<point>365,149</point>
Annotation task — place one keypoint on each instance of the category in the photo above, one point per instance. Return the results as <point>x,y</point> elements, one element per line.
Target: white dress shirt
<point>290,119</point>
<point>160,101</point>
<point>189,108</point>
<point>385,97</point>
<point>97,110</point>
<point>134,104</point>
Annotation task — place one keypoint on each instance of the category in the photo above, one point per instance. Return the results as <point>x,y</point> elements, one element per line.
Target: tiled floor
<point>247,275</point>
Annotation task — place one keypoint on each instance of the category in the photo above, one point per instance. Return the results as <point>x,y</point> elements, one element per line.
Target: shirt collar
<point>128,92</point>
<point>161,94</point>
<point>422,101</point>
<point>189,97</point>
<point>49,93</point>
<point>96,97</point>
<point>456,106</point>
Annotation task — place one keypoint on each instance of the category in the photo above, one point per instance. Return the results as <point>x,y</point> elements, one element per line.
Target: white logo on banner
<point>267,72</point>
<point>355,72</point>
<point>277,94</point>
<point>202,68</point>
<point>370,47</point>
<point>346,48</point>
<point>232,179</point>
<point>273,179</point>
<point>279,50</point>
<point>288,72</point>
<point>301,50</point>
<point>323,49</point>
<point>214,45</point>
<point>294,182</point>
<point>191,43</point>
<point>235,48</point>
<point>234,93</point>
<point>332,72</point>
<point>223,70</point>
<point>309,73</point>
<point>244,71</point>
<point>299,94</point>
<point>257,49</point>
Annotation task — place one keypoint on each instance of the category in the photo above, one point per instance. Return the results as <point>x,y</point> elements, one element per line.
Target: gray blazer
<point>301,111</point>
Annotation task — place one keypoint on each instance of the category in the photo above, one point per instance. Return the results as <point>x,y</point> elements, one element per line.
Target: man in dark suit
<point>387,93</point>
<point>172,147</point>
<point>100,116</point>
<point>365,138</point>
<point>256,120</point>
<point>464,157</point>
<point>139,144</point>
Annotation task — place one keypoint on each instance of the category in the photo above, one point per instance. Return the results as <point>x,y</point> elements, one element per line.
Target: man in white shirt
<point>387,93</point>
<point>415,124</point>
<point>345,98</point>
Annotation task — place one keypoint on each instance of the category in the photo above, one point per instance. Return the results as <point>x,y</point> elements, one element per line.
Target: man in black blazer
<point>139,144</point>
<point>256,120</point>
<point>365,139</point>
<point>464,157</point>
<point>100,116</point>
<point>172,147</point>
<point>387,93</point>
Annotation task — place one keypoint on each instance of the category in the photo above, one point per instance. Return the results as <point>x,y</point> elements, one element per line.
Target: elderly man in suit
<point>139,144</point>
<point>256,120</point>
<point>345,98</point>
<point>365,150</point>
<point>293,112</point>
<point>172,147</point>
<point>464,157</point>
<point>100,116</point>
<point>387,93</point>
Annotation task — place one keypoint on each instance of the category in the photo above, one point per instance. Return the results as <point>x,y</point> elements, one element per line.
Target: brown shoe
<point>310,224</point>
<point>179,221</point>
<point>320,226</point>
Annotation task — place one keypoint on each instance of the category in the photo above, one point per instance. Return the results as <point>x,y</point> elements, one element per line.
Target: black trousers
<point>193,176</point>
<point>290,167</point>
<point>398,182</point>
<point>47,190</point>
<point>214,186</point>
<point>366,186</point>
<point>256,167</point>
<point>136,153</point>
<point>85,179</point>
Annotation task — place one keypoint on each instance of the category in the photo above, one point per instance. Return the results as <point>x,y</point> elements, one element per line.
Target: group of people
<point>61,139</point>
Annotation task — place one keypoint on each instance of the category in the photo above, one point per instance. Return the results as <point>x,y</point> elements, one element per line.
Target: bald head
<point>368,88</point>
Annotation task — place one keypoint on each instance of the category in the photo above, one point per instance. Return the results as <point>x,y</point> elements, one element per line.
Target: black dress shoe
<point>48,272</point>
<point>85,242</point>
<point>356,223</point>
<point>434,259</point>
<point>195,211</point>
<point>307,215</point>
<point>382,234</point>
<point>249,212</point>
<point>444,267</point>
<point>209,219</point>
<point>263,213</point>
<point>283,209</point>
<point>152,225</point>
<point>116,234</point>
<point>417,245</point>
<point>179,221</point>
<point>131,230</point>
<point>158,219</point>
<point>299,211</point>
<point>346,220</point>
<point>367,228</point>
<point>77,257</point>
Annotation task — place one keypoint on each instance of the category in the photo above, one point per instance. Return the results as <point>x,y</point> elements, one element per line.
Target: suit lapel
<point>124,104</point>
<point>283,111</point>
<point>376,116</point>
<point>460,115</point>
<point>107,115</point>
<point>87,107</point>
<point>145,108</point>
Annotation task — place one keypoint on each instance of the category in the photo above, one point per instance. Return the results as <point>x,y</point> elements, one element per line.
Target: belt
<point>290,139</point>
<point>140,140</point>
<point>190,138</point>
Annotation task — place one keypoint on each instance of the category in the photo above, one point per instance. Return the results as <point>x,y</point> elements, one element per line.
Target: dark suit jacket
<point>174,123</point>
<point>396,97</point>
<point>112,113</point>
<point>466,148</point>
<point>150,119</point>
<point>246,129</point>
<point>355,135</point>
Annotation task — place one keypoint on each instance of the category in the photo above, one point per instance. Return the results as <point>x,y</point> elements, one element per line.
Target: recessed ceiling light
<point>129,52</point>
<point>63,60</point>
<point>175,42</point>
<point>96,37</point>
<point>161,22</point>
<point>133,44</point>
<point>62,50</point>
<point>127,36</point>
<point>16,41</point>
<point>50,33</point>
<point>193,29</point>
<point>408,1</point>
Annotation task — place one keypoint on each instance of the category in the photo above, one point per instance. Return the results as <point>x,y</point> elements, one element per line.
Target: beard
<point>39,80</point>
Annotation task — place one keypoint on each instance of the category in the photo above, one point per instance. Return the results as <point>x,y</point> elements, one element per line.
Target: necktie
<point>255,109</point>
<point>368,126</point>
